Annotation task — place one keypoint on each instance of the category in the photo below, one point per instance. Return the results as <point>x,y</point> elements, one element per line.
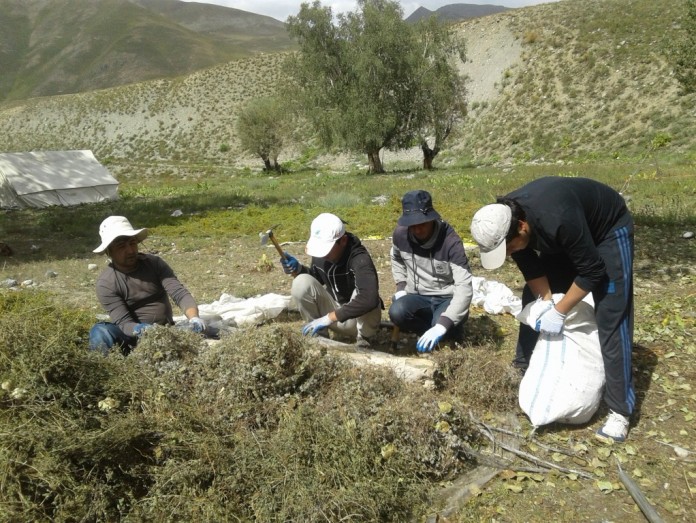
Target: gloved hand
<point>290,264</point>
<point>398,294</point>
<point>551,322</point>
<point>430,338</point>
<point>537,310</point>
<point>140,328</point>
<point>197,324</point>
<point>314,326</point>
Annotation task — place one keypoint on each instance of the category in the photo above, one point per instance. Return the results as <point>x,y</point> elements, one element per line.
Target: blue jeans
<point>416,313</point>
<point>104,335</point>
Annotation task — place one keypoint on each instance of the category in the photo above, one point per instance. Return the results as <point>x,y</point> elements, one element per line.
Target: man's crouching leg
<point>104,335</point>
<point>368,325</point>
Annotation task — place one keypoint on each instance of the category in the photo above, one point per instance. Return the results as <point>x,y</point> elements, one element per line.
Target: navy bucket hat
<point>417,208</point>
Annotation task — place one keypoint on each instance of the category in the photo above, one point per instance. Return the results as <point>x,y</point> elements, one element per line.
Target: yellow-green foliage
<point>261,426</point>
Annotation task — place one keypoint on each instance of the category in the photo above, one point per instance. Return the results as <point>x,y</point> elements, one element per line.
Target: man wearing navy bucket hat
<point>431,272</point>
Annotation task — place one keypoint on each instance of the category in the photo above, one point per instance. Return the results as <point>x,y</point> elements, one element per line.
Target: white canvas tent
<point>44,178</point>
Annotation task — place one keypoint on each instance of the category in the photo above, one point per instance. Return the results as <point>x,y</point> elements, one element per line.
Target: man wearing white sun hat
<point>572,236</point>
<point>135,289</point>
<point>340,289</point>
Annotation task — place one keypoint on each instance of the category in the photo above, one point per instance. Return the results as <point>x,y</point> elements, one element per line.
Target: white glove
<point>551,322</point>
<point>430,338</point>
<point>537,310</point>
<point>398,294</point>
<point>197,324</point>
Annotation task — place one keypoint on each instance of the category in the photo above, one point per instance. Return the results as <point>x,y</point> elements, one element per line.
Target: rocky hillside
<point>454,12</point>
<point>573,80</point>
<point>50,47</point>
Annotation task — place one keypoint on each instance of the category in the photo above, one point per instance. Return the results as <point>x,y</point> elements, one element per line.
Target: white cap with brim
<point>489,227</point>
<point>115,227</point>
<point>326,229</point>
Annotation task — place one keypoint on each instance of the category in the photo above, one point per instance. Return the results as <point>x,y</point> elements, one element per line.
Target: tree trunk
<point>374,162</point>
<point>267,165</point>
<point>428,155</point>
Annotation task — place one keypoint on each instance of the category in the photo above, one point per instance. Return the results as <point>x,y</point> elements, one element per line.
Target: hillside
<point>454,12</point>
<point>572,80</point>
<point>50,47</point>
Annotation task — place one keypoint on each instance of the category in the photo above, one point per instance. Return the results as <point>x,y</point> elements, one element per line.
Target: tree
<point>355,79</point>
<point>685,51</point>
<point>442,101</point>
<point>262,127</point>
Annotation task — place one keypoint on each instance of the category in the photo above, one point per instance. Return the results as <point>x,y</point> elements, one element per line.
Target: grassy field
<point>264,426</point>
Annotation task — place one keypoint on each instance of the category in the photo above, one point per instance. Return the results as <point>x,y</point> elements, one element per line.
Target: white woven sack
<point>565,377</point>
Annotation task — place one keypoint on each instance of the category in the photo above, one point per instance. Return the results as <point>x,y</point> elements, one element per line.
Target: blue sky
<point>281,9</point>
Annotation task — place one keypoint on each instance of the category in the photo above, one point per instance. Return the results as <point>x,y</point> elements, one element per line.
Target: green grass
<point>262,426</point>
<point>221,205</point>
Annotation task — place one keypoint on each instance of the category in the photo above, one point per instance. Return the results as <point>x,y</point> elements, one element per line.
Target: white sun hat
<point>114,227</point>
<point>326,229</point>
<point>489,227</point>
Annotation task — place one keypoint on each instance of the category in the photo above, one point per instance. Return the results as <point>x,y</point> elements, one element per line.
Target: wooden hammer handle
<point>395,337</point>
<point>278,247</point>
<point>280,251</point>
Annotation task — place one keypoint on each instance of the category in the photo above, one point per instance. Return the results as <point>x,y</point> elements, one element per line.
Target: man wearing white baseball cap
<point>572,236</point>
<point>340,289</point>
<point>135,289</point>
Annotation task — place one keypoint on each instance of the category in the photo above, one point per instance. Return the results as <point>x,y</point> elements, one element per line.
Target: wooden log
<point>409,368</point>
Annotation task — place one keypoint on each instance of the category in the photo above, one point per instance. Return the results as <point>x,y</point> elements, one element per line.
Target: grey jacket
<point>441,270</point>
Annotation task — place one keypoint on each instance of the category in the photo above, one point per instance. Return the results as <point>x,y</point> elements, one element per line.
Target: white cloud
<point>281,9</point>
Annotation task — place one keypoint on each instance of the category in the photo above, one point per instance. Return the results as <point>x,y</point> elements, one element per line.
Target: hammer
<point>268,235</point>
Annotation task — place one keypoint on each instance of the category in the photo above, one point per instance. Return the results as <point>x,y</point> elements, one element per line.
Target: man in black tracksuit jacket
<point>571,236</point>
<point>340,289</point>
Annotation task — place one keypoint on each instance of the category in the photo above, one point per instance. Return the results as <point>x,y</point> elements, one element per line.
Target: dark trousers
<point>613,312</point>
<point>417,313</point>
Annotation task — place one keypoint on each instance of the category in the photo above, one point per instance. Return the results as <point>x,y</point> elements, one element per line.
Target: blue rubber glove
<point>551,322</point>
<point>140,328</point>
<point>290,264</point>
<point>197,324</point>
<point>314,326</point>
<point>430,338</point>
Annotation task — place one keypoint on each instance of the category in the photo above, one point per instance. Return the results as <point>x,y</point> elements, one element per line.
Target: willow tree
<point>442,101</point>
<point>263,126</point>
<point>355,75</point>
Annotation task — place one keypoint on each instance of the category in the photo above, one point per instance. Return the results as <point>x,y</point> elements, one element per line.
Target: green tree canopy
<point>356,78</point>
<point>369,80</point>
<point>442,92</point>
<point>262,127</point>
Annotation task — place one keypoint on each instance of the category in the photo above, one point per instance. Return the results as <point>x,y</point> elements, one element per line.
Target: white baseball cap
<point>114,227</point>
<point>326,229</point>
<point>489,227</point>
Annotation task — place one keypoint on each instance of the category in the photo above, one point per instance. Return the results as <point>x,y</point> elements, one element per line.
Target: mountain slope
<point>454,12</point>
<point>590,78</point>
<point>52,47</point>
<point>572,80</point>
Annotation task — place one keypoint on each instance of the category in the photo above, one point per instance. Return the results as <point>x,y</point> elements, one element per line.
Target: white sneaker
<point>615,428</point>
